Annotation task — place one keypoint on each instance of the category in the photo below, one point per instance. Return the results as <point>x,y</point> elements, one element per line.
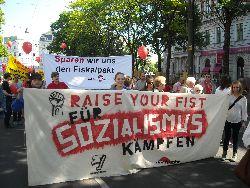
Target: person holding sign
<point>159,83</point>
<point>237,114</point>
<point>119,82</point>
<point>55,83</point>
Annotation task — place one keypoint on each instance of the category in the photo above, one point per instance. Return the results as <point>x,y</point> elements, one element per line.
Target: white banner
<point>86,72</point>
<point>75,135</point>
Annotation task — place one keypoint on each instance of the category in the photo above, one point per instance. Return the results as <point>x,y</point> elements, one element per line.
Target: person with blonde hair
<point>237,115</point>
<point>159,83</point>
<point>189,87</point>
<point>198,89</point>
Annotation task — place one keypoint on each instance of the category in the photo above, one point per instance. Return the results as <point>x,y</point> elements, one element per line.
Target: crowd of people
<point>11,94</point>
<point>189,85</point>
<point>11,100</point>
<point>237,112</point>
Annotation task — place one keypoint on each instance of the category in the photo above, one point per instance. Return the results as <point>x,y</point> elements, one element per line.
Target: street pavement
<point>207,173</point>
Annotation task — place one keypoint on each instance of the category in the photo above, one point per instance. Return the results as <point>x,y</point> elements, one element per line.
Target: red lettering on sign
<point>121,127</point>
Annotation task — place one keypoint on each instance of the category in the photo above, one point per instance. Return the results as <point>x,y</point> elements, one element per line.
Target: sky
<point>36,15</point>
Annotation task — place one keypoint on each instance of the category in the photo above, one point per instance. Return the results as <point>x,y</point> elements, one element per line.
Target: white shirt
<point>225,91</point>
<point>239,111</point>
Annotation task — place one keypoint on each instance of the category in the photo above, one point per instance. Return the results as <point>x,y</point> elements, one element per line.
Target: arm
<point>6,93</point>
<point>4,90</point>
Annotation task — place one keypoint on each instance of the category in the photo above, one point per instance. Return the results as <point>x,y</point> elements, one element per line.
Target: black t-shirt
<point>6,87</point>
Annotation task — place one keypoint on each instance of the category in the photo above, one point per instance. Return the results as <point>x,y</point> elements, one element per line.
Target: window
<point>207,37</point>
<point>208,10</point>
<point>239,31</point>
<point>218,35</point>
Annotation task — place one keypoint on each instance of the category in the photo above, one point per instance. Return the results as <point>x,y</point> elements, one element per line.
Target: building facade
<point>44,42</point>
<point>209,59</point>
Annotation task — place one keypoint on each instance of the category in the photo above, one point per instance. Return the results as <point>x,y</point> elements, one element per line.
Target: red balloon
<point>9,44</point>
<point>27,47</point>
<point>63,46</point>
<point>142,52</point>
<point>38,59</point>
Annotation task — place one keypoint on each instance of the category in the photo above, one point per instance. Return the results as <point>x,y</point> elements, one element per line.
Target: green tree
<point>127,19</point>
<point>3,49</point>
<point>226,11</point>
<point>168,28</point>
<point>83,31</point>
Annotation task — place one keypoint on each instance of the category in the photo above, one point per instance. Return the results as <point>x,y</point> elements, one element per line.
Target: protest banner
<point>16,68</point>
<point>86,72</point>
<point>80,134</point>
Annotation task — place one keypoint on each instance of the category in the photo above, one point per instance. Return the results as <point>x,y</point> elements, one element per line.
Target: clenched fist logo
<point>57,100</point>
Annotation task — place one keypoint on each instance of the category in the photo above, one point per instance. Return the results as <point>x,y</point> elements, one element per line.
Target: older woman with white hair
<point>189,86</point>
<point>198,89</point>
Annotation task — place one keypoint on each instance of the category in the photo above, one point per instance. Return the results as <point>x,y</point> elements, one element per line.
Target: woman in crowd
<point>119,82</point>
<point>159,83</point>
<point>198,89</point>
<point>149,84</point>
<point>237,114</point>
<point>189,87</point>
<point>128,83</point>
<point>224,87</point>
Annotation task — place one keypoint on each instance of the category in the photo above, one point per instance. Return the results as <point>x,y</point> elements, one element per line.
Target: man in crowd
<point>55,84</point>
<point>208,86</point>
<point>8,99</point>
<point>140,84</point>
